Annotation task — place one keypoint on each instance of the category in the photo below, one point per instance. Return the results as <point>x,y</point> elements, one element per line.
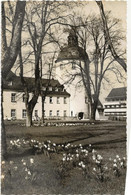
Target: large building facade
<point>56,104</point>
<point>115,106</point>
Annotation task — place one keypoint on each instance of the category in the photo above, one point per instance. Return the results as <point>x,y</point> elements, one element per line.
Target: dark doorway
<point>80,115</point>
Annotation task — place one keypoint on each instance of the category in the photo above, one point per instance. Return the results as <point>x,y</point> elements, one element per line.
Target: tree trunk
<point>29,117</point>
<point>93,111</point>
<point>43,101</point>
<point>9,54</point>
<point>3,131</point>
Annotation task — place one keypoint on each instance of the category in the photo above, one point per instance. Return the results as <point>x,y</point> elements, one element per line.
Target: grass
<point>109,139</point>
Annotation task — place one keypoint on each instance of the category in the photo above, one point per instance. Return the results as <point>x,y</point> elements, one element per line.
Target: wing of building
<point>56,102</point>
<point>115,106</point>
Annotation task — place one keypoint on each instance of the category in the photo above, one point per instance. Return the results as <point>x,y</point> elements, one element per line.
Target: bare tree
<point>98,61</point>
<point>40,18</point>
<point>10,50</point>
<point>108,39</point>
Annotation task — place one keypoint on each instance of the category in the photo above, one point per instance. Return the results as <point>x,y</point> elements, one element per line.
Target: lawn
<point>65,163</point>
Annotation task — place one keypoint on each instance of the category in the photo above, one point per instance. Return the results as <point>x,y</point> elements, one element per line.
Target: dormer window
<point>56,89</point>
<point>44,88</point>
<point>10,83</point>
<point>50,88</point>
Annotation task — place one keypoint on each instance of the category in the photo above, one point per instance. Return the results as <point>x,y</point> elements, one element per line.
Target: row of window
<point>13,99</point>
<point>116,106</point>
<point>115,99</point>
<point>115,113</point>
<point>24,113</point>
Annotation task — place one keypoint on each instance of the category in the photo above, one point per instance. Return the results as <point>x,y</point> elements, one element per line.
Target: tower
<point>68,72</point>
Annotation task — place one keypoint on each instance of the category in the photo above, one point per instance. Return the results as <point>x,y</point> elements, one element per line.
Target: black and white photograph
<point>63,97</point>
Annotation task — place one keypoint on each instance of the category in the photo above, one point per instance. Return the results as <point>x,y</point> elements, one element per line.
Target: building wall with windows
<point>115,105</point>
<point>65,73</point>
<point>56,104</point>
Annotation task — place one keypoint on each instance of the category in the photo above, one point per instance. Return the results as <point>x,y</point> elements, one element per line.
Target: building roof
<point>117,93</point>
<point>13,82</point>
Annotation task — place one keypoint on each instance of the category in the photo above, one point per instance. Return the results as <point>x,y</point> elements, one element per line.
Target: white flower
<point>115,160</point>
<point>122,163</point>
<point>54,144</point>
<point>11,162</point>
<point>106,168</point>
<point>3,162</point>
<point>24,163</point>
<point>97,161</point>
<point>94,169</point>
<point>117,156</point>
<point>45,146</point>
<point>31,160</point>
<point>26,177</point>
<point>110,158</point>
<point>64,159</point>
<point>15,168</point>
<point>22,160</point>
<point>89,145</point>
<point>114,165</point>
<point>83,166</point>
<point>94,157</point>
<point>119,159</point>
<point>93,151</point>
<point>77,155</point>
<point>2,176</point>
<point>77,151</point>
<point>67,159</point>
<point>124,158</point>
<point>99,157</point>
<point>26,169</point>
<point>29,173</point>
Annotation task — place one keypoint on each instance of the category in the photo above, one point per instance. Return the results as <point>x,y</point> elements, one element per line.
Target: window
<point>50,88</point>
<point>50,100</point>
<point>13,97</point>
<point>23,97</point>
<point>23,113</point>
<point>36,113</point>
<point>65,100</point>
<point>50,113</point>
<point>72,113</point>
<point>58,113</point>
<point>56,89</point>
<point>44,88</point>
<point>73,66</point>
<point>65,114</point>
<point>58,100</point>
<point>13,113</point>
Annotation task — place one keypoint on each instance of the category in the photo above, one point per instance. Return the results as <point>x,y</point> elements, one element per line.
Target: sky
<point>118,10</point>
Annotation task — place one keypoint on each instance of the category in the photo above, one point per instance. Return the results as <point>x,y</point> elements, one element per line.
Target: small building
<point>115,106</point>
<point>56,103</point>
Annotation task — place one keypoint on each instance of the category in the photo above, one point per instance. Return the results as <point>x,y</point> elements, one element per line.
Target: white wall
<point>19,105</point>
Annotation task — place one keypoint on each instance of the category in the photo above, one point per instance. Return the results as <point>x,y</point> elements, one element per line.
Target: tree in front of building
<point>41,17</point>
<point>98,64</point>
